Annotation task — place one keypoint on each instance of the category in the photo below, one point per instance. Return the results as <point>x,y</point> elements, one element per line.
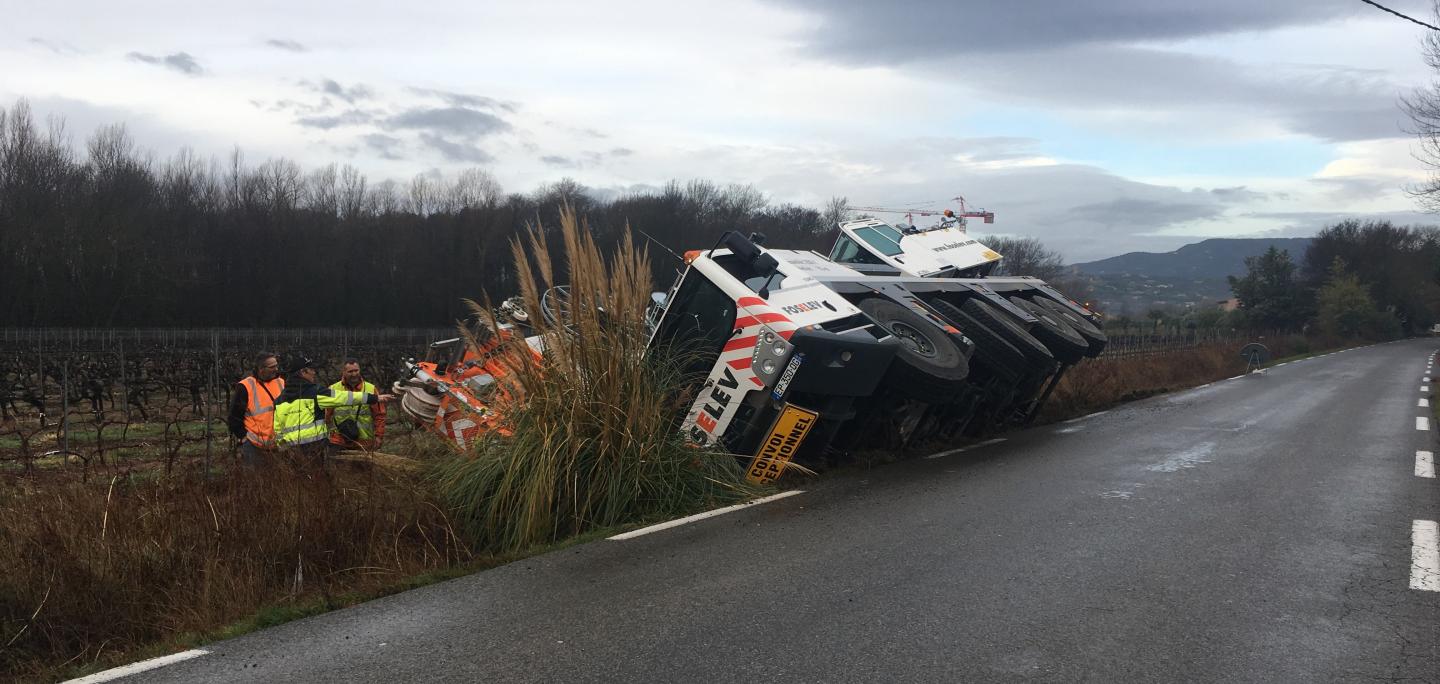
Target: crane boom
<point>910,214</point>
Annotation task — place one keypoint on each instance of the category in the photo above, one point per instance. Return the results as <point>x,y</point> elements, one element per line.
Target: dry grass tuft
<point>594,424</point>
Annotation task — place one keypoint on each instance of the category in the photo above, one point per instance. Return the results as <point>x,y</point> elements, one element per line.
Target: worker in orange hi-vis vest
<point>355,427</point>
<point>252,409</point>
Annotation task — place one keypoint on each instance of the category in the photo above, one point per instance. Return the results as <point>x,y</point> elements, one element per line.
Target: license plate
<point>787,376</point>
<point>780,445</point>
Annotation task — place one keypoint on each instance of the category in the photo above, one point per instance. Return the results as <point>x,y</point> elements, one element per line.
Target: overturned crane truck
<point>800,352</point>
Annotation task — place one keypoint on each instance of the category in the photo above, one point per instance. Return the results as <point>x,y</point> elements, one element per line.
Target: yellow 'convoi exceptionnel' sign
<point>780,445</point>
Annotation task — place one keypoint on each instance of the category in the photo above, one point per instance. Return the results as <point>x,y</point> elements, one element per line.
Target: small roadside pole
<point>65,407</point>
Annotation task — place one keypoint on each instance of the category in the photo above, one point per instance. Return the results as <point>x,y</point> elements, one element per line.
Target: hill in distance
<point>1192,276</point>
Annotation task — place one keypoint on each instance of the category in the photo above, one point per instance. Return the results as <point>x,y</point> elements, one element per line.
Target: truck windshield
<point>697,323</point>
<point>884,239</point>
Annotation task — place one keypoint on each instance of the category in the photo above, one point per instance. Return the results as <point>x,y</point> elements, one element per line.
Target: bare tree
<point>422,195</point>
<point>471,189</point>
<point>1423,108</point>
<point>1026,257</point>
<point>352,192</point>
<point>280,183</point>
<point>837,211</point>
<point>321,192</point>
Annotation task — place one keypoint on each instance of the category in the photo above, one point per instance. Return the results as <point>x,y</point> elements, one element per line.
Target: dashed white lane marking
<point>1423,402</point>
<point>1422,423</point>
<point>1424,555</point>
<point>985,443</point>
<point>136,668</point>
<point>1424,388</point>
<point>1424,464</point>
<point>1425,379</point>
<point>701,516</point>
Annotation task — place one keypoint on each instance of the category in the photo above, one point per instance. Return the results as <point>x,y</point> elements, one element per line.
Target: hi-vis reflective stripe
<point>262,411</point>
<point>307,426</point>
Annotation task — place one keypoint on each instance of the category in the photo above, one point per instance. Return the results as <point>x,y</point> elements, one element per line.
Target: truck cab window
<point>697,323</point>
<point>883,239</point>
<point>848,251</point>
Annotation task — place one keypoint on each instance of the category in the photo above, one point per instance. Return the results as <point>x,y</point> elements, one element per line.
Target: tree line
<point>113,237</point>
<point>1366,279</point>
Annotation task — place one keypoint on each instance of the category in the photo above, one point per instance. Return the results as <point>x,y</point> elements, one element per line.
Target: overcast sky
<point>1099,127</point>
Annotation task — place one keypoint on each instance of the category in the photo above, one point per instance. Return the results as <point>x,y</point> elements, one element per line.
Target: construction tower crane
<point>962,214</point>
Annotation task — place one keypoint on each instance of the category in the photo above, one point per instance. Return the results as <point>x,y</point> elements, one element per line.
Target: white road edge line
<point>1424,464</point>
<point>988,442</point>
<point>1423,402</point>
<point>701,516</point>
<point>1422,423</point>
<point>1088,417</point>
<point>136,668</point>
<point>1424,555</point>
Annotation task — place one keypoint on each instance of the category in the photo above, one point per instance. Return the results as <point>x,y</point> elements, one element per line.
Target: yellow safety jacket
<point>300,416</point>
<point>362,414</point>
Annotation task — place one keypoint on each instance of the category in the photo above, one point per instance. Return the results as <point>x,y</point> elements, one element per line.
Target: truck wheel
<point>1091,332</point>
<point>1063,342</point>
<point>990,348</point>
<point>1039,358</point>
<point>929,364</point>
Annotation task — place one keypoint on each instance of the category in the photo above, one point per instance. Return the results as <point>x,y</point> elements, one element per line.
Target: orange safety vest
<point>260,413</point>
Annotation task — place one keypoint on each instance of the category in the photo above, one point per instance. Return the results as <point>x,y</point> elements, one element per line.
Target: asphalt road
<point>1257,529</point>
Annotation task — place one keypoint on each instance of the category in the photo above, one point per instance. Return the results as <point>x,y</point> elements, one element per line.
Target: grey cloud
<point>1088,55</point>
<point>458,121</point>
<point>453,151</point>
<point>289,45</point>
<point>1238,193</point>
<point>621,152</point>
<point>465,100</point>
<point>1144,214</point>
<point>182,62</point>
<point>386,146</point>
<point>1333,103</point>
<point>55,46</point>
<point>556,160</point>
<point>864,31</point>
<point>353,117</point>
<point>359,91</point>
<point>1358,123</point>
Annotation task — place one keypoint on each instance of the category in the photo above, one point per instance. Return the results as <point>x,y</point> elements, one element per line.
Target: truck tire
<point>1038,357</point>
<point>990,348</point>
<point>1066,345</point>
<point>1091,332</point>
<point>929,364</point>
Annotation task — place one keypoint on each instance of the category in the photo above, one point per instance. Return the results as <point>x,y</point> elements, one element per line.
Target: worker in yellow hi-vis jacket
<point>300,408</point>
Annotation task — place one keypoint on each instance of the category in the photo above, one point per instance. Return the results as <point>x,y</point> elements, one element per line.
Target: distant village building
<point>1230,304</point>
